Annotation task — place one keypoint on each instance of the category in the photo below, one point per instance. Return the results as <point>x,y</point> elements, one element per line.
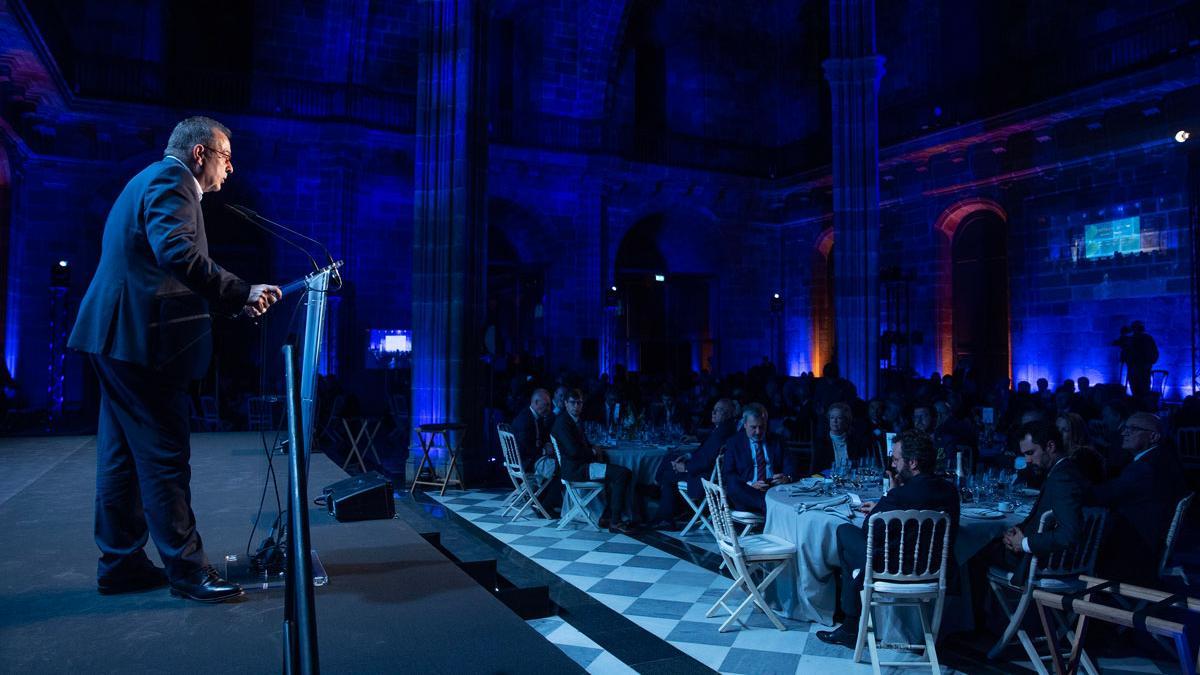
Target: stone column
<point>450,228</point>
<point>854,71</point>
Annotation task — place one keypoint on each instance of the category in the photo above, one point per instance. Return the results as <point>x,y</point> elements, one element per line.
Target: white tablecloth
<point>642,460</point>
<point>806,590</point>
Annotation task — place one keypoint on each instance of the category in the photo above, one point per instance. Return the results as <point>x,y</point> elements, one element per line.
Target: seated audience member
<point>693,466</point>
<point>581,462</point>
<point>842,443</point>
<point>755,462</point>
<point>922,419</point>
<point>531,427</point>
<point>1064,489</point>
<point>1112,417</point>
<point>914,486</point>
<point>1141,503</point>
<point>560,401</point>
<point>1079,448</point>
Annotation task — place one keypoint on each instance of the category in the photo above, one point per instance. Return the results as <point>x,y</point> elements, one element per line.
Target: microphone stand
<point>299,610</point>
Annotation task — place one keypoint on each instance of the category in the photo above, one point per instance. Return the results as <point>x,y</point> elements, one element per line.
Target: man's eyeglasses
<point>1130,430</point>
<point>228,156</point>
<point>574,400</point>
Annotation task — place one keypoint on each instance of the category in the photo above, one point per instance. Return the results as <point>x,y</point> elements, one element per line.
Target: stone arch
<point>669,322</point>
<point>948,226</point>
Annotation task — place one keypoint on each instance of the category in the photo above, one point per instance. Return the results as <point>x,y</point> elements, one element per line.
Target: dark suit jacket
<point>858,446</point>
<point>149,300</point>
<point>574,448</point>
<point>738,464</point>
<point>1063,492</point>
<point>1142,501</point>
<point>702,459</point>
<point>532,433</point>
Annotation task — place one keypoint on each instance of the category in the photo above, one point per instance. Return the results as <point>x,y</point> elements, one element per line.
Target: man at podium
<point>145,323</point>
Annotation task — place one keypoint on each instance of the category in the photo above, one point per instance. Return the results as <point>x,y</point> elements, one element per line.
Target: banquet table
<point>806,590</point>
<point>641,458</point>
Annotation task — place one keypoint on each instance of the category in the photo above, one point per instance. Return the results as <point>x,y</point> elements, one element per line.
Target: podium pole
<point>299,613</point>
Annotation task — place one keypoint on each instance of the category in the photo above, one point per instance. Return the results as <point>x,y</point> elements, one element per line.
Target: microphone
<point>252,217</point>
<point>251,213</point>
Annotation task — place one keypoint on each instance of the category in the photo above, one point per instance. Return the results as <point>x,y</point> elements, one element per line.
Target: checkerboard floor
<point>582,650</point>
<point>659,592</point>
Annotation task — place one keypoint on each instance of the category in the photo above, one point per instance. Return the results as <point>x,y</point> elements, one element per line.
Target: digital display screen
<point>389,348</point>
<point>1104,240</point>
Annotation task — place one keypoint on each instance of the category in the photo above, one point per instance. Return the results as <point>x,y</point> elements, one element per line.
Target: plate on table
<point>983,514</point>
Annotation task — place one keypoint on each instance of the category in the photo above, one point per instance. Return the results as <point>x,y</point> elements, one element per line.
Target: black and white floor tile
<point>656,590</point>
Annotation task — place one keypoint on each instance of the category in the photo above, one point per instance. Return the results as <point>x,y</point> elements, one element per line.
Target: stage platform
<point>393,602</point>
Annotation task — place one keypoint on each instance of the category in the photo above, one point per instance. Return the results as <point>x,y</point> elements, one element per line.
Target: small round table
<point>428,433</point>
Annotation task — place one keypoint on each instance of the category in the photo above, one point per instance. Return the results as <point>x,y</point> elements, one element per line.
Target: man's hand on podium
<point>262,296</point>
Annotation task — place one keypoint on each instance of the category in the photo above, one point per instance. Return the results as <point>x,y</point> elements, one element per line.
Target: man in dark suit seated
<point>841,443</point>
<point>693,466</point>
<point>914,486</point>
<point>1141,503</point>
<point>146,325</point>
<point>582,463</point>
<point>1064,489</point>
<point>755,461</point>
<point>531,427</point>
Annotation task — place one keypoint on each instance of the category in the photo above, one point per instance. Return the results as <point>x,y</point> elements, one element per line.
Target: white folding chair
<point>907,554</point>
<point>577,496</point>
<point>524,496</point>
<point>745,556</point>
<point>747,519</point>
<point>1058,573</point>
<point>698,510</point>
<point>1165,572</point>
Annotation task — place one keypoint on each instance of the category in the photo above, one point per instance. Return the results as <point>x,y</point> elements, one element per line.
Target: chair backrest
<point>558,458</point>
<point>718,508</point>
<point>912,545</point>
<point>1187,443</point>
<point>508,443</point>
<point>1173,532</point>
<point>1079,557</point>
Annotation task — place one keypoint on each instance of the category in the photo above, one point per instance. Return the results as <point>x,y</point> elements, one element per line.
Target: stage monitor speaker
<point>366,496</point>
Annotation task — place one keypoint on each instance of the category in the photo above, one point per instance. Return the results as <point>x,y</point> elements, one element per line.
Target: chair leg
<point>1035,659</point>
<point>872,644</point>
<point>930,641</point>
<point>1014,621</point>
<point>756,591</point>
<point>864,623</point>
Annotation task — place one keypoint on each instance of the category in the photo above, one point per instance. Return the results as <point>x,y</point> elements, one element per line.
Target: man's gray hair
<point>728,404</point>
<point>754,410</point>
<point>191,132</point>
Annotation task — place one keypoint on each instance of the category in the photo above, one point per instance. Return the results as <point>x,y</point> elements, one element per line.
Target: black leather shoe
<point>205,585</point>
<point>144,580</point>
<point>843,635</point>
<point>621,528</point>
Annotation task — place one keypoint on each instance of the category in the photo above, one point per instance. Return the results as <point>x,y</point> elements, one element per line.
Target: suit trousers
<point>143,472</point>
<point>668,488</point>
<point>616,489</point>
<point>852,554</point>
<point>742,497</point>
